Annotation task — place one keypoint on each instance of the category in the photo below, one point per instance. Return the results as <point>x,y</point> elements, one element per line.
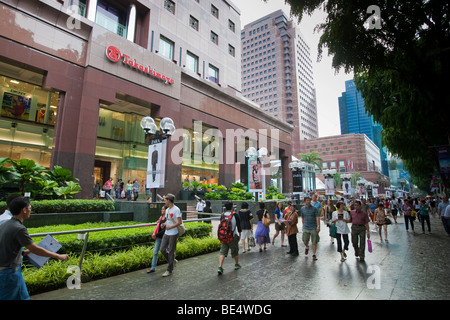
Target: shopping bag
<point>251,240</point>
<point>369,245</point>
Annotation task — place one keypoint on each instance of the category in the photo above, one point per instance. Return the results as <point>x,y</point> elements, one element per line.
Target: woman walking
<point>340,218</point>
<point>279,223</point>
<point>291,221</point>
<point>327,216</point>
<point>424,212</point>
<point>157,236</point>
<point>262,232</point>
<point>406,209</point>
<point>380,220</point>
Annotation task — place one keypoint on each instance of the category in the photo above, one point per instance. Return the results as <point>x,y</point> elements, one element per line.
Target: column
<point>131,28</point>
<point>92,10</point>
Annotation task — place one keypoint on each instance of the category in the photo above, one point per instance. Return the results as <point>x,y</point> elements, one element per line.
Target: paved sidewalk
<point>409,267</point>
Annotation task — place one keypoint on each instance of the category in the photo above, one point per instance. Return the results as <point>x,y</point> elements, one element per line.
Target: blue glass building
<point>355,119</point>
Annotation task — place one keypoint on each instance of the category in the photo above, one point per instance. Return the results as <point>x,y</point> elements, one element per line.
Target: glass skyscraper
<point>355,119</point>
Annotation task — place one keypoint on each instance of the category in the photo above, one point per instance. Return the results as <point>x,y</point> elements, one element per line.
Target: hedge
<point>113,239</point>
<point>53,275</point>
<point>70,205</point>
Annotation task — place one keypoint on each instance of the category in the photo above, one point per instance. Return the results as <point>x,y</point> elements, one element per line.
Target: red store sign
<point>114,55</point>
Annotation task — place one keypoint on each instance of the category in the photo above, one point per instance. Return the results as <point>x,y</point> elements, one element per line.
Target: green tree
<point>311,158</point>
<point>400,68</point>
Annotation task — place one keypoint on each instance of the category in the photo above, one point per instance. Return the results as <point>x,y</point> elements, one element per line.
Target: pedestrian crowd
<point>361,215</point>
<point>234,227</point>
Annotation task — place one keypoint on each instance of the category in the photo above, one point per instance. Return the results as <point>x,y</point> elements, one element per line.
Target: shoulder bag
<point>266,219</point>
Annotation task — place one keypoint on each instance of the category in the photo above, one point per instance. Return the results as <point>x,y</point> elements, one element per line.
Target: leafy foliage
<point>401,69</point>
<point>36,179</point>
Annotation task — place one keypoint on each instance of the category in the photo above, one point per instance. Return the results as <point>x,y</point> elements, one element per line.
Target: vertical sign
<point>297,179</point>
<point>156,165</point>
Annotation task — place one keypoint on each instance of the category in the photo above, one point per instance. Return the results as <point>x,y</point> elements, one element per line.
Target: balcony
<point>110,24</point>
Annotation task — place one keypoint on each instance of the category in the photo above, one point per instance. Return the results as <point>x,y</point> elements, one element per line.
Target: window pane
<point>191,62</point>
<point>166,48</point>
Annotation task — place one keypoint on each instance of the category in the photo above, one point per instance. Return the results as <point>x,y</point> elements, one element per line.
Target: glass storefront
<point>27,116</point>
<point>197,143</point>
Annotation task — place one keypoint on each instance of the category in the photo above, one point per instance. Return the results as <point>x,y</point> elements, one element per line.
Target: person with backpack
<point>229,233</point>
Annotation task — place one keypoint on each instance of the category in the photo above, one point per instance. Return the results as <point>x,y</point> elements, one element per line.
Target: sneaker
<point>220,270</point>
<point>237,266</point>
<point>167,273</point>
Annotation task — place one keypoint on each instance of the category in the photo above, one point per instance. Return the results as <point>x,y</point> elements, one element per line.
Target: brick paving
<point>409,267</point>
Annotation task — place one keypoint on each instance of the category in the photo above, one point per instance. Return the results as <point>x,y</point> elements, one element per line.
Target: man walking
<point>441,213</point>
<point>233,233</point>
<point>169,240</point>
<point>311,226</point>
<point>360,224</point>
<point>13,237</point>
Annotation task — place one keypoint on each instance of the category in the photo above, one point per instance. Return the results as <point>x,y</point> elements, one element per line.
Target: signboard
<point>329,187</point>
<point>444,159</point>
<point>156,165</point>
<point>347,187</point>
<point>49,243</point>
<point>297,179</point>
<point>255,179</point>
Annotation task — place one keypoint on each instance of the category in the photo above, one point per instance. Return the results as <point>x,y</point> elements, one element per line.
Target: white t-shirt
<point>172,215</point>
<point>342,227</point>
<point>5,216</point>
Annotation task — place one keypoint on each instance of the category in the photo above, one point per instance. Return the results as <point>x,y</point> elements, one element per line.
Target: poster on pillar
<point>255,179</point>
<point>156,165</point>
<point>329,187</point>
<point>347,187</point>
<point>297,181</point>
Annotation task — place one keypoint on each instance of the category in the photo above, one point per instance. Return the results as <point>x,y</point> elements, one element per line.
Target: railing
<point>85,232</point>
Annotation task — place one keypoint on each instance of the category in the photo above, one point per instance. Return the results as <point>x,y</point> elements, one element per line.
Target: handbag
<point>251,240</point>
<point>333,230</point>
<point>265,220</point>
<point>181,229</point>
<point>387,220</point>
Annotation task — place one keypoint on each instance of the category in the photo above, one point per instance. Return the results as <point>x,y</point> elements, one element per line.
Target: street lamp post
<point>154,136</point>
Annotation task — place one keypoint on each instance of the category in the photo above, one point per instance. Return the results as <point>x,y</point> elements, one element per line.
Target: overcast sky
<point>329,85</point>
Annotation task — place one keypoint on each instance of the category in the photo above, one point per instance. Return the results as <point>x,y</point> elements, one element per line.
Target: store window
<point>24,101</point>
<point>200,148</point>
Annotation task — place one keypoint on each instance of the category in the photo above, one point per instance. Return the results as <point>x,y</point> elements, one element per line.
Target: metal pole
<point>86,237</point>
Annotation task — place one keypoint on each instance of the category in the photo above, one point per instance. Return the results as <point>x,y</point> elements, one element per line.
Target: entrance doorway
<point>102,171</point>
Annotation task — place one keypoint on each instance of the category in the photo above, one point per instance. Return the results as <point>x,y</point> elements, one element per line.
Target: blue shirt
<point>309,215</point>
<point>443,206</point>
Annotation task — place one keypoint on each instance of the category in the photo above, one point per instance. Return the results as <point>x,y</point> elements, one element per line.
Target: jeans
<point>411,220</point>
<point>156,252</point>
<point>169,243</point>
<point>446,223</point>
<point>427,219</point>
<point>12,284</point>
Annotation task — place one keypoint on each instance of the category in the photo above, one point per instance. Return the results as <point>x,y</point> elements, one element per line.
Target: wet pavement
<point>408,267</point>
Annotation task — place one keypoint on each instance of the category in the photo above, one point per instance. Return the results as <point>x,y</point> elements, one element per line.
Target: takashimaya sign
<point>114,55</point>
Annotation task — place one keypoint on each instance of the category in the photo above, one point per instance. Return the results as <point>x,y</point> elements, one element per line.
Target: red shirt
<point>359,217</point>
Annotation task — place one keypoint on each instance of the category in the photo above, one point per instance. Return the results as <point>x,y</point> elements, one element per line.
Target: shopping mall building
<point>77,77</point>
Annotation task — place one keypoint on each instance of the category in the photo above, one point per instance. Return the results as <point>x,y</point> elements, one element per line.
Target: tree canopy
<point>401,68</point>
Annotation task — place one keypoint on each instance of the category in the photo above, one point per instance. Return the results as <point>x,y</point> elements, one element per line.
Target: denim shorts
<point>12,284</point>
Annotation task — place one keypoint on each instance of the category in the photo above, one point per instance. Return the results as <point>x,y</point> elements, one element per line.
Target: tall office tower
<point>355,119</point>
<point>277,74</point>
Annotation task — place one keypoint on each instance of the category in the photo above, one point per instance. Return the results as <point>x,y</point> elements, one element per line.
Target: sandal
<point>342,259</point>
<point>314,257</point>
